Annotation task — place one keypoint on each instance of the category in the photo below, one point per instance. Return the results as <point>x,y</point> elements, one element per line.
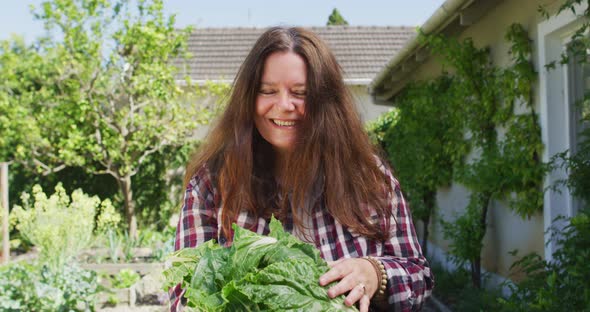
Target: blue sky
<point>15,16</point>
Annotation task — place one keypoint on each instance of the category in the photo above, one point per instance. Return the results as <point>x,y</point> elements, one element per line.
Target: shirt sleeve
<point>197,223</point>
<point>410,279</point>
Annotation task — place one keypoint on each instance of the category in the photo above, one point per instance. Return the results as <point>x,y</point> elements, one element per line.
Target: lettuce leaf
<point>277,272</point>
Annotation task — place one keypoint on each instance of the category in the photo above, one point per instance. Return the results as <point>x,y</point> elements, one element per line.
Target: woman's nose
<point>285,101</point>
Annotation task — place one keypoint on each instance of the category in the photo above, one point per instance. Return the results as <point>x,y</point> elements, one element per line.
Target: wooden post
<point>4,207</point>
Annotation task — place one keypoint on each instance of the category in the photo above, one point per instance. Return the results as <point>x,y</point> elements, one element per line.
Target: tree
<point>504,168</point>
<point>426,129</point>
<point>336,19</point>
<point>103,90</point>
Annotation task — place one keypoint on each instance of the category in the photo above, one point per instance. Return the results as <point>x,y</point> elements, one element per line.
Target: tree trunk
<point>429,202</point>
<point>485,199</point>
<point>125,185</point>
<point>426,222</point>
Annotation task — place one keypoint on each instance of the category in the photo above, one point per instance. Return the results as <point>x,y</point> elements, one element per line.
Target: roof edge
<point>438,19</point>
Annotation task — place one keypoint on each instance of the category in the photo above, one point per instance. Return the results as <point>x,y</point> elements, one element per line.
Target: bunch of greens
<point>277,272</point>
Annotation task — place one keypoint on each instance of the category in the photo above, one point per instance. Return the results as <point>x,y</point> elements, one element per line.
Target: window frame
<point>556,117</point>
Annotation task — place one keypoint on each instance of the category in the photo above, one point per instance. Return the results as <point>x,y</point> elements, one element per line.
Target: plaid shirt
<point>410,280</point>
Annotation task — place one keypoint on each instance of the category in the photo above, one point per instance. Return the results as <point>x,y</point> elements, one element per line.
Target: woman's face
<point>280,103</point>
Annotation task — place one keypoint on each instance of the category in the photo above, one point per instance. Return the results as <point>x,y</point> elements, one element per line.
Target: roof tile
<point>362,51</point>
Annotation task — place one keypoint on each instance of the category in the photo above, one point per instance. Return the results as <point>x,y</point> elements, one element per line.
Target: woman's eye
<point>299,93</point>
<point>266,92</point>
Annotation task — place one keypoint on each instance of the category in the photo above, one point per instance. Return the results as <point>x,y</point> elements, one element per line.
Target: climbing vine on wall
<point>560,284</point>
<point>505,167</point>
<point>444,121</point>
<point>424,145</point>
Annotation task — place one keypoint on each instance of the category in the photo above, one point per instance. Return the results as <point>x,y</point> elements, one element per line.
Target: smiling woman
<point>291,144</point>
<point>280,104</point>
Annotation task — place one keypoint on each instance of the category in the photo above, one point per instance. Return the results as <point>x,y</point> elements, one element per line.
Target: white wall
<point>367,109</point>
<point>506,231</point>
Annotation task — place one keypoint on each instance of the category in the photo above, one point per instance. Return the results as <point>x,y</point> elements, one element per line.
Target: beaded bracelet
<point>381,274</point>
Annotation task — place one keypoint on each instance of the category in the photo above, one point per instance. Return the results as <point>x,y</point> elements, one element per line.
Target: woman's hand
<point>356,276</point>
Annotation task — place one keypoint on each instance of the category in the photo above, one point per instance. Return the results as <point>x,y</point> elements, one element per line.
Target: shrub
<point>455,290</point>
<point>378,127</point>
<point>560,284</point>
<point>25,287</point>
<point>125,278</point>
<point>58,225</point>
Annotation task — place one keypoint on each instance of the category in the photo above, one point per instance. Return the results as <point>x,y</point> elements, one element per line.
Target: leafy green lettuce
<point>277,272</point>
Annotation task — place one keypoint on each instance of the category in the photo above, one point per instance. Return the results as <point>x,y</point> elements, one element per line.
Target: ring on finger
<point>362,286</point>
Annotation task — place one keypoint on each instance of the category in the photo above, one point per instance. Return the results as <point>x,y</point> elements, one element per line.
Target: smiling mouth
<point>283,123</point>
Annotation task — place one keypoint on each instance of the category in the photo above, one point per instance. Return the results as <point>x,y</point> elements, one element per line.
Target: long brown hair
<point>332,166</point>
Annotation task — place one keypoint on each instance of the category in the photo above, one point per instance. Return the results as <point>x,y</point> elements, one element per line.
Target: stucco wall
<point>367,109</point>
<point>506,231</point>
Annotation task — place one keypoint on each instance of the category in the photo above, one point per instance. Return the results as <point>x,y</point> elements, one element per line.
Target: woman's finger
<point>345,285</point>
<point>364,303</point>
<point>333,263</point>
<point>355,294</point>
<point>335,273</point>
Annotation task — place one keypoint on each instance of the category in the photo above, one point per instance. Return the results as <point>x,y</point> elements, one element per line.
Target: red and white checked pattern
<point>410,279</point>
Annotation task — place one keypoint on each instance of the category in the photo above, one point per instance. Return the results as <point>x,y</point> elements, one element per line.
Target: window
<point>561,119</point>
<point>579,105</point>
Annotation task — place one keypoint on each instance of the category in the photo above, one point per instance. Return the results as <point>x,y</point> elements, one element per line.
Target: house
<point>555,92</point>
<point>217,53</point>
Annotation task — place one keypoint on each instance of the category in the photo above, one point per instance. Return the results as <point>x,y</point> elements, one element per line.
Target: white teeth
<point>283,123</point>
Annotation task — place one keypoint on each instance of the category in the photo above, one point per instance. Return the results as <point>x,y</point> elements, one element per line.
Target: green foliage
<point>154,186</point>
<point>441,121</point>
<point>270,273</point>
<point>125,278</point>
<point>455,290</point>
<point>560,284</point>
<point>579,41</point>
<point>425,144</point>
<point>577,162</point>
<point>335,19</point>
<point>61,226</point>
<point>377,128</point>
<point>449,284</point>
<point>160,242</point>
<point>101,93</point>
<point>444,120</point>
<point>466,232</point>
<point>157,182</point>
<point>504,167</point>
<point>25,287</point>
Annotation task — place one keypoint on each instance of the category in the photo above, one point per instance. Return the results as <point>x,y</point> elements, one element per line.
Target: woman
<point>290,143</point>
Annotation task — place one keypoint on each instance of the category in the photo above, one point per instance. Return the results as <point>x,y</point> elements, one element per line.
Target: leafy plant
<point>562,283</point>
<point>506,167</point>
<point>377,128</point>
<point>25,287</point>
<point>125,278</point>
<point>455,290</point>
<point>579,41</point>
<point>257,273</point>
<point>99,92</point>
<point>432,142</point>
<point>58,225</point>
